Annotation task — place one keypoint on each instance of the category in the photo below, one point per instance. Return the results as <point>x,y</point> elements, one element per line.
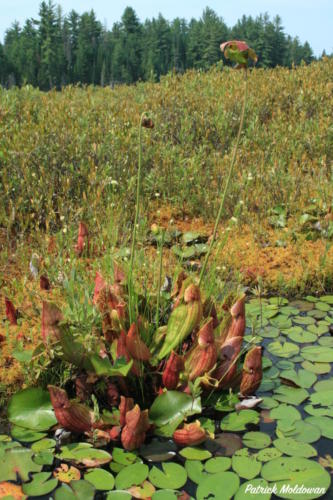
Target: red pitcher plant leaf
<point>11,313</point>
<point>83,388</point>
<point>226,369</point>
<point>190,435</point>
<point>126,404</point>
<point>252,371</point>
<point>134,433</point>
<point>44,283</point>
<point>135,345</point>
<point>202,357</point>
<point>72,416</point>
<point>82,239</point>
<point>51,317</point>
<point>172,370</point>
<point>238,322</point>
<point>99,285</point>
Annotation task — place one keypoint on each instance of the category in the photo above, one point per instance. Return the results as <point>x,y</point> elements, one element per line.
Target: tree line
<point>57,49</point>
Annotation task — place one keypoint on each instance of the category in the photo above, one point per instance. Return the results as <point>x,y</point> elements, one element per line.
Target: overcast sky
<point>310,20</point>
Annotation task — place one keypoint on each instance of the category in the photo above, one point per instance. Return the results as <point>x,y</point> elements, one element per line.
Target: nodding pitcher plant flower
<point>239,52</point>
<point>11,313</point>
<point>82,240</point>
<point>252,371</point>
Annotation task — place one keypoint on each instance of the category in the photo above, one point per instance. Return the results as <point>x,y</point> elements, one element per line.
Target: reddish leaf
<point>99,285</point>
<point>135,345</point>
<point>11,313</point>
<point>44,283</point>
<point>51,317</point>
<point>238,323</point>
<point>190,435</point>
<point>134,433</point>
<point>74,417</point>
<point>227,365</point>
<point>173,367</point>
<point>252,371</point>
<point>82,239</point>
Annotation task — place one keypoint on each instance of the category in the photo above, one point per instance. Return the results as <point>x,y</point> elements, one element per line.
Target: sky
<point>310,20</point>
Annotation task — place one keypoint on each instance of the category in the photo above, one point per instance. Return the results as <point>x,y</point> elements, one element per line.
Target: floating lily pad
<point>268,454</point>
<point>320,411</point>
<point>195,470</point>
<point>325,424</point>
<point>195,453</point>
<point>172,476</point>
<point>26,435</point>
<point>324,385</point>
<point>267,385</point>
<point>158,451</point>
<point>256,440</point>
<point>302,305</point>
<point>10,491</point>
<point>283,349</point>
<point>226,402</point>
<point>284,364</point>
<point>66,473</point>
<point>270,332</point>
<point>317,368</point>
<point>323,306</point>
<point>294,472</point>
<point>43,444</point>
<point>259,484</point>
<point>123,457</point>
<point>220,486</point>
<point>272,372</point>
<point>279,301</point>
<point>132,475</point>
<point>266,362</point>
<point>319,354</point>
<point>302,378</point>
<point>40,485</point>
<point>100,479</point>
<point>317,314</point>
<point>217,464</point>
<point>75,490</point>
<point>238,421</point>
<point>19,461</point>
<point>164,495</point>
<point>290,395</point>
<point>32,409</point>
<point>245,465</point>
<point>44,457</point>
<point>300,335</point>
<point>304,320</point>
<point>318,329</point>
<point>290,446</point>
<point>145,490</point>
<point>285,412</point>
<point>86,456</point>
<point>303,432</point>
<point>268,403</point>
<point>328,299</point>
<point>282,322</point>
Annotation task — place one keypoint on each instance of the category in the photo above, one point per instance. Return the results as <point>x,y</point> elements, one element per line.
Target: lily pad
<point>290,395</point>
<point>164,495</point>
<point>66,473</point>
<point>75,490</point>
<point>326,341</point>
<point>323,306</point>
<point>195,453</point>
<point>238,421</point>
<point>319,354</point>
<point>43,444</point>
<point>250,488</point>
<point>220,486</point>
<point>303,432</point>
<point>132,475</point>
<point>325,424</point>
<point>256,440</point>
<point>303,305</point>
<point>300,335</point>
<point>328,299</point>
<point>268,454</point>
<point>285,412</point>
<point>19,461</point>
<point>290,446</point>
<point>145,490</point>
<point>318,329</point>
<point>123,457</point>
<point>88,457</point>
<point>100,479</point>
<point>245,465</point>
<point>195,470</point>
<point>324,385</point>
<point>304,320</point>
<point>40,485</point>
<point>282,322</point>
<point>44,457</point>
<point>302,378</point>
<point>172,476</point>
<point>317,368</point>
<point>32,409</point>
<point>268,403</point>
<point>293,472</point>
<point>26,435</point>
<point>217,464</point>
<point>118,495</point>
<point>283,350</point>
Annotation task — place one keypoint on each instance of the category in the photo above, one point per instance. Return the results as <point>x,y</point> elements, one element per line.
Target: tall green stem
<point>226,188</point>
<point>137,208</point>
<point>159,280</point>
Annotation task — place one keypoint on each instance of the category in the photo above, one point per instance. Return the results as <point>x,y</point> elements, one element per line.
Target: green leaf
<point>43,444</point>
<point>26,435</point>
<point>220,486</point>
<point>268,454</point>
<point>75,490</point>
<point>132,475</point>
<point>40,485</point>
<point>302,378</point>
<point>294,472</point>
<point>290,446</point>
<point>325,424</point>
<point>170,409</point>
<point>302,431</point>
<point>328,299</point>
<point>195,453</point>
<point>100,479</point>
<point>319,354</point>
<point>245,465</point>
<point>238,421</point>
<point>172,476</point>
<point>164,495</point>
<point>285,412</point>
<point>317,368</point>
<point>290,395</point>
<point>248,489</point>
<point>256,440</point>
<point>103,366</point>
<point>45,457</point>
<point>84,455</point>
<point>124,457</point>
<point>283,350</point>
<point>304,320</point>
<point>217,464</point>
<point>297,334</point>
<point>19,461</point>
<point>195,470</point>
<point>32,408</point>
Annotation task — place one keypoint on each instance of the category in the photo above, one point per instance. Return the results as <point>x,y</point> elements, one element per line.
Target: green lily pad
<point>44,457</point>
<point>195,453</point>
<point>75,490</point>
<point>300,335</point>
<point>87,456</point>
<point>328,299</point>
<point>324,385</point>
<point>270,332</point>
<point>323,306</point>
<point>220,486</point>
<point>226,402</point>
<point>245,465</point>
<point>320,411</point>
<point>41,484</point>
<point>100,479</point>
<point>317,314</point>
<point>293,472</point>
<point>119,495</point>
<point>19,461</point>
<point>303,305</point>
<point>43,444</point>
<point>304,320</point>
<point>256,440</point>
<point>283,350</point>
<point>325,424</point>
<point>195,470</point>
<point>267,385</point>
<point>284,364</point>
<point>170,409</point>
<point>32,409</point>
<point>268,454</point>
<point>131,475</point>
<point>250,488</point>
<point>172,476</point>
<point>238,421</point>
<point>164,495</point>
<point>268,403</point>
<point>326,341</point>
<point>158,451</point>
<point>290,395</point>
<point>302,378</point>
<point>317,368</point>
<point>272,372</point>
<point>303,432</point>
<point>319,354</point>
<point>290,446</point>
<point>145,490</point>
<point>123,457</point>
<point>217,464</point>
<point>266,362</point>
<point>318,329</point>
<point>26,435</point>
<point>279,301</point>
<point>282,322</point>
<point>285,412</point>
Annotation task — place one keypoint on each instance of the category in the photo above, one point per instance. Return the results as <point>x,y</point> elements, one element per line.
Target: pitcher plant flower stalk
<point>240,53</point>
<point>145,122</point>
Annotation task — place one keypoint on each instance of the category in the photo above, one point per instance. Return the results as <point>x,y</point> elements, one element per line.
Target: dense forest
<point>58,49</point>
